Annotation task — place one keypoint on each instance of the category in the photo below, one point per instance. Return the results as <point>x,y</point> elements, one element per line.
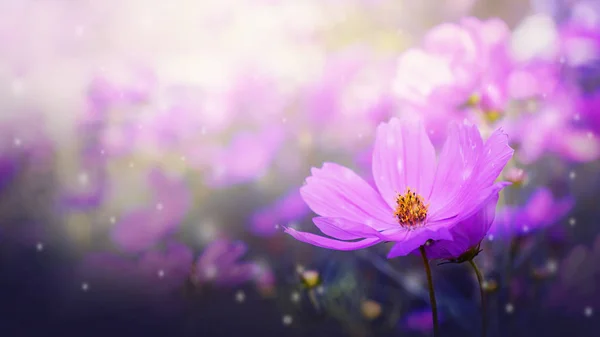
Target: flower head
<point>417,198</point>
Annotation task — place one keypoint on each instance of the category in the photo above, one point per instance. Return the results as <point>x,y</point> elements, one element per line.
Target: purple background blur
<point>151,152</point>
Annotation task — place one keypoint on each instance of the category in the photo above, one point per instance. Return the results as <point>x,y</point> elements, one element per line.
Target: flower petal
<point>324,242</point>
<point>343,229</point>
<point>466,234</point>
<point>452,41</point>
<point>403,157</point>
<point>337,192</point>
<point>457,159</point>
<point>413,239</point>
<point>461,185</point>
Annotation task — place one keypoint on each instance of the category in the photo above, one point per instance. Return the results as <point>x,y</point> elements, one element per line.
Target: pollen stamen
<point>411,209</point>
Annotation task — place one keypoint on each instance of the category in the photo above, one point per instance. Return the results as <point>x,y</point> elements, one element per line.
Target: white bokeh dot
<point>210,272</point>
<point>588,311</point>
<point>85,286</point>
<point>17,142</point>
<point>161,273</point>
<point>240,296</point>
<point>552,266</point>
<point>509,308</point>
<point>159,206</point>
<point>83,178</point>
<point>39,246</point>
<point>295,297</point>
<point>572,175</point>
<point>287,320</point>
<point>113,219</point>
<point>572,222</point>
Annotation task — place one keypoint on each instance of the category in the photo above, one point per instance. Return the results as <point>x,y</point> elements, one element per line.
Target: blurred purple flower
<point>580,47</point>
<point>540,211</point>
<point>289,208</point>
<point>218,264</point>
<point>458,64</point>
<point>92,186</point>
<point>141,229</point>
<point>555,132</point>
<point>419,320</point>
<point>247,157</point>
<point>353,93</point>
<point>416,200</point>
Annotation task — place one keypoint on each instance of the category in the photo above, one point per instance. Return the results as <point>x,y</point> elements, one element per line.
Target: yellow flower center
<point>310,278</point>
<point>411,209</point>
<point>492,116</point>
<point>473,100</point>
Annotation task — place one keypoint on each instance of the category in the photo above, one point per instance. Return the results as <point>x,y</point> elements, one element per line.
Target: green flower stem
<point>434,313</point>
<point>482,292</point>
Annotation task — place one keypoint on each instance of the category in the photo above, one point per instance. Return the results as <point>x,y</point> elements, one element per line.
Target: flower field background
<point>166,167</point>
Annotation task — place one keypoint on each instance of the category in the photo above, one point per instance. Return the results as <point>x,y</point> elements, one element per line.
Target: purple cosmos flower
<point>219,264</point>
<point>142,228</point>
<point>418,198</point>
<point>540,211</point>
